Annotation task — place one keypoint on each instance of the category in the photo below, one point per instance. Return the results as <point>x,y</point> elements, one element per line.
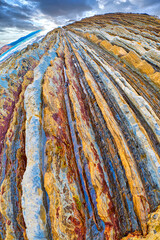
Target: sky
<point>20,17</point>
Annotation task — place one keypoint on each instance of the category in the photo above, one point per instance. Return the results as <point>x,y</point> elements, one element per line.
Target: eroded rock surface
<point>80,133</point>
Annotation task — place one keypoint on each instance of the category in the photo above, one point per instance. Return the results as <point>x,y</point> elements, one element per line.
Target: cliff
<point>80,133</point>
<point>4,49</point>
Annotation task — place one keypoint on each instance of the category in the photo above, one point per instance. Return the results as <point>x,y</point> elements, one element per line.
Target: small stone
<point>155,216</point>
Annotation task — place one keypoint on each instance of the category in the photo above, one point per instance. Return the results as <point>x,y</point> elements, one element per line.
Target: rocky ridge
<point>80,133</point>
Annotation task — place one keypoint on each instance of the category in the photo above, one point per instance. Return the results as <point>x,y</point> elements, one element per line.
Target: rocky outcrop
<point>80,133</point>
<point>4,49</point>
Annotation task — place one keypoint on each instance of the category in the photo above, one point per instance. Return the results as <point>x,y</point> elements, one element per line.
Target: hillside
<point>80,133</point>
<point>8,50</point>
<point>4,49</point>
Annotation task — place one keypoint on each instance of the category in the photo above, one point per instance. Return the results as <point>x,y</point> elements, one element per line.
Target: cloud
<point>19,17</point>
<point>15,16</point>
<point>31,15</point>
<point>144,3</point>
<point>64,7</point>
<point>23,16</point>
<point>151,7</point>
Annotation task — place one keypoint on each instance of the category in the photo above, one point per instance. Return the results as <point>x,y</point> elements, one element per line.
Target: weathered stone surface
<point>80,133</point>
<point>4,49</point>
<point>60,180</point>
<point>106,44</point>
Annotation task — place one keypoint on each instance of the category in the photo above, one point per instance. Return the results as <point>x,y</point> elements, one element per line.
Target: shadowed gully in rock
<point>80,133</point>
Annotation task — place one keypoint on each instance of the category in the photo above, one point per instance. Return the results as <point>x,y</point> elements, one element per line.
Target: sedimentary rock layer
<point>80,133</point>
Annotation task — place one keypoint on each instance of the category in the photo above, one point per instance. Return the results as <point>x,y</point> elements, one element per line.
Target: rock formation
<point>4,49</point>
<point>80,133</point>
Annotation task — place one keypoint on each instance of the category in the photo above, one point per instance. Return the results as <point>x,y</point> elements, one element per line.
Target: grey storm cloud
<point>57,8</point>
<point>15,16</point>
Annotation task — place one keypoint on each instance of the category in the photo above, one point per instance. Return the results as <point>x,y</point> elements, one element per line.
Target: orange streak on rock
<point>138,192</point>
<point>66,214</point>
<point>104,204</point>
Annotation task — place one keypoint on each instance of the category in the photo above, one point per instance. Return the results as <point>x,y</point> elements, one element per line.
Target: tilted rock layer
<point>80,133</point>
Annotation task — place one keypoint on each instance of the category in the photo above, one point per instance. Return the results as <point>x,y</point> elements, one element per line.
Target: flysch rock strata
<point>80,133</point>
